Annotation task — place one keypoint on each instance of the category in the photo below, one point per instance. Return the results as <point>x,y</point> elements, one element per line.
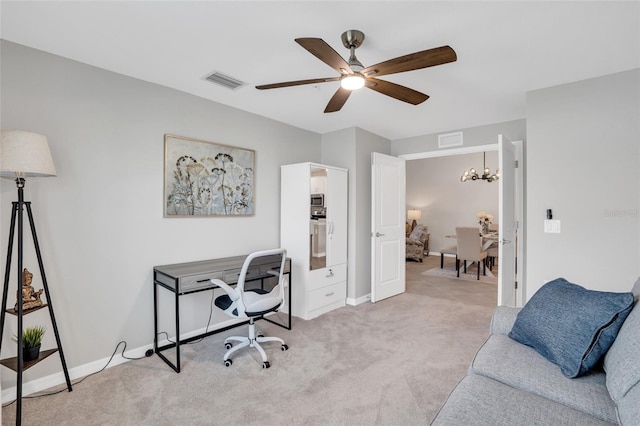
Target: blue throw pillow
<point>571,326</point>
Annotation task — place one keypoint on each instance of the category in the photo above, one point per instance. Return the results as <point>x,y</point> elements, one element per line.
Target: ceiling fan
<point>353,75</point>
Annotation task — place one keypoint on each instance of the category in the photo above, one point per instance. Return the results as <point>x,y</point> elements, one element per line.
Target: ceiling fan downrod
<point>352,39</point>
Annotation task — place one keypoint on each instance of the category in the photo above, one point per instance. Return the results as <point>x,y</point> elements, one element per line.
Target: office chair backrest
<point>252,302</point>
<point>469,243</point>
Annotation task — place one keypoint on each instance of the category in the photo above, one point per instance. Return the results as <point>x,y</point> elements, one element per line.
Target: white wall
<point>100,221</point>
<point>434,188</point>
<point>583,163</point>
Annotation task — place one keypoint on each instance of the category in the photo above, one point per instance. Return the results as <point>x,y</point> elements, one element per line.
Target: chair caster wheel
<point>228,346</point>
<point>284,347</point>
<point>259,334</point>
<point>228,362</point>
<point>266,364</point>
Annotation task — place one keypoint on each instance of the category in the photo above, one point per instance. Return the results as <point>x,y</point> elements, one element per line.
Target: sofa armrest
<point>503,319</point>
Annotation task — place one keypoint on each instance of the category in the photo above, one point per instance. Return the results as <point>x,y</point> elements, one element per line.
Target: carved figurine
<point>30,297</point>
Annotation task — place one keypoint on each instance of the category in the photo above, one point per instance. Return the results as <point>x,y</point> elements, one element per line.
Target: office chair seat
<point>253,303</point>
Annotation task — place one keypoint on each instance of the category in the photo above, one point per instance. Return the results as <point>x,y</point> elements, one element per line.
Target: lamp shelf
<point>26,311</point>
<point>12,363</point>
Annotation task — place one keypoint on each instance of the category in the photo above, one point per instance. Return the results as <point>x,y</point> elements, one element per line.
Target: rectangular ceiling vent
<point>224,80</point>
<point>450,140</point>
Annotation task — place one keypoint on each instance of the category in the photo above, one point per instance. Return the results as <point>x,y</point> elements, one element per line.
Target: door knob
<point>379,234</point>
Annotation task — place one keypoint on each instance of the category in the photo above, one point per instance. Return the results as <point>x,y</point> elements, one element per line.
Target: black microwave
<point>317,200</point>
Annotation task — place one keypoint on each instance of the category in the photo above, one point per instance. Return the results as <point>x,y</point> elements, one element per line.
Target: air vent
<point>449,140</point>
<point>224,80</point>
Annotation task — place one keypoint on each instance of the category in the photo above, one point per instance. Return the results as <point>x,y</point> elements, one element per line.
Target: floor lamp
<point>24,154</point>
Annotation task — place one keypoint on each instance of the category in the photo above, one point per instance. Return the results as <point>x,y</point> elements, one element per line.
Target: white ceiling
<point>504,50</point>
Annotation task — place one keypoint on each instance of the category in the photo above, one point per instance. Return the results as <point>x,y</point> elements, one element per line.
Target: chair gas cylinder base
<point>253,341</point>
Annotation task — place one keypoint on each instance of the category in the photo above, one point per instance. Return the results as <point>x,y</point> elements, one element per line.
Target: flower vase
<point>484,228</point>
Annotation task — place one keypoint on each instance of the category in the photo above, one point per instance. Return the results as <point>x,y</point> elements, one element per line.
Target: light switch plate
<point>552,226</point>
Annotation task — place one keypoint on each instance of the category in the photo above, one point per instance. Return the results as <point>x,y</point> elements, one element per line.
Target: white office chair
<point>243,302</point>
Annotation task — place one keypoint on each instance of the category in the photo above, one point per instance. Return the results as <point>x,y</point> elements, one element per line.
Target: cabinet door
<point>336,203</point>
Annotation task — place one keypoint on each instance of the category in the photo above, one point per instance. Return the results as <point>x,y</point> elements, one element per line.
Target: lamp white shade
<point>24,154</point>
<point>414,214</point>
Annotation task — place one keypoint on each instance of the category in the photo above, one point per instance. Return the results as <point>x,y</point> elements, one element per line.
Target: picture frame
<point>204,178</point>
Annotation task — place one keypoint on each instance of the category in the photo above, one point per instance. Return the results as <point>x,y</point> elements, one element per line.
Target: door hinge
<point>516,164</point>
<point>515,284</point>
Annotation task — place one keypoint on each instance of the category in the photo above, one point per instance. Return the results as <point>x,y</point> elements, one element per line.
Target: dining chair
<point>452,250</point>
<point>470,248</point>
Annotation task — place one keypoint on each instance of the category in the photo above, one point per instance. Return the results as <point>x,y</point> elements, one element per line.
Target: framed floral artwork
<point>207,179</point>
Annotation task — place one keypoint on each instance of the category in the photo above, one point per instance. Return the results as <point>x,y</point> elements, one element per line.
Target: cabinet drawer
<point>325,276</point>
<point>327,295</point>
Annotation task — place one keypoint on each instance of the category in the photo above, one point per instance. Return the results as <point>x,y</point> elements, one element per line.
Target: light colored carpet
<point>471,275</point>
<point>389,363</point>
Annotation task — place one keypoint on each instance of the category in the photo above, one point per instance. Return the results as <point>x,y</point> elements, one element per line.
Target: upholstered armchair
<point>416,243</point>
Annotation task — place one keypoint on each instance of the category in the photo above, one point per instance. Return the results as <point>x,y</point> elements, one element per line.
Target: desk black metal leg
<point>177,332</point>
<point>155,317</point>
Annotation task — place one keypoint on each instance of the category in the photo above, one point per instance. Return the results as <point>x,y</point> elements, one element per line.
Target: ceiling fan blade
<point>413,61</point>
<point>396,91</point>
<point>338,100</point>
<point>296,83</point>
<point>321,50</point>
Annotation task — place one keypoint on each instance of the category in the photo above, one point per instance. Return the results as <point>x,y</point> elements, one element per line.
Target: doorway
<point>518,203</point>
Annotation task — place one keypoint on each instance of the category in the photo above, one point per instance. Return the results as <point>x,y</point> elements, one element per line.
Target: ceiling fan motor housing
<point>352,38</point>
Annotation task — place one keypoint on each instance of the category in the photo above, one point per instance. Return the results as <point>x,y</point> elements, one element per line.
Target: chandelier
<point>472,174</point>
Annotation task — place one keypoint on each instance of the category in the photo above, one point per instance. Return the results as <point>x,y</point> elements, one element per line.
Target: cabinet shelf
<point>12,363</point>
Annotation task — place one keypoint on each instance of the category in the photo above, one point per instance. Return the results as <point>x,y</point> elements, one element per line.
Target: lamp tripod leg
<point>48,296</point>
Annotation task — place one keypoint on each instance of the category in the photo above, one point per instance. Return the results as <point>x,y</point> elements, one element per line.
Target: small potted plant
<point>31,341</point>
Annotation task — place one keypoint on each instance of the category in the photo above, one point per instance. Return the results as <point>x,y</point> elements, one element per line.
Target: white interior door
<point>508,223</point>
<point>388,193</point>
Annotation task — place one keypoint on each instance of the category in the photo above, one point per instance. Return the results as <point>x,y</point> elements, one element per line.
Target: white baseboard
<point>360,300</point>
<point>37,385</point>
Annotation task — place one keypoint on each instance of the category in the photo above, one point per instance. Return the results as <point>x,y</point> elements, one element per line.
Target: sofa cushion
<point>571,326</point>
<point>622,362</point>
<point>503,319</point>
<point>629,407</point>
<point>480,401</point>
<point>507,361</point>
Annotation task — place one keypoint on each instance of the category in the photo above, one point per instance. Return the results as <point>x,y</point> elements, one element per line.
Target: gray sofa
<point>509,383</point>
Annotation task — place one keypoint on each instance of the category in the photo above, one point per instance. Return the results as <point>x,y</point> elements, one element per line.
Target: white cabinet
<point>318,283</point>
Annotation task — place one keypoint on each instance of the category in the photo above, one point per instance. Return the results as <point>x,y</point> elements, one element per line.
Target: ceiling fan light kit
<point>353,75</point>
<point>352,82</point>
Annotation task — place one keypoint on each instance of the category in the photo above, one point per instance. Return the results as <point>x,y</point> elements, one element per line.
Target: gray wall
<point>434,188</point>
<point>473,136</point>
<point>583,161</point>
<point>351,149</point>
<point>100,221</point>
